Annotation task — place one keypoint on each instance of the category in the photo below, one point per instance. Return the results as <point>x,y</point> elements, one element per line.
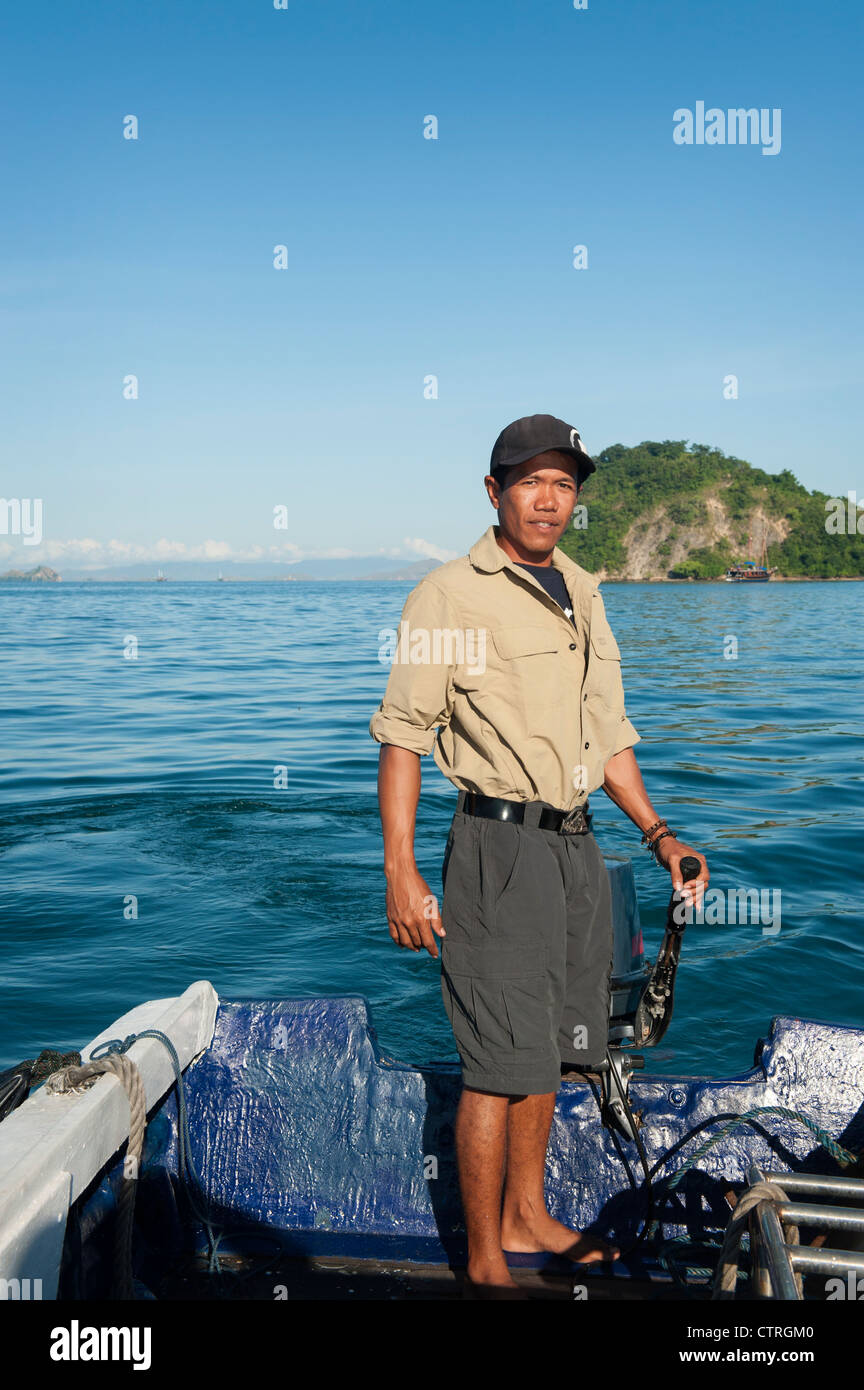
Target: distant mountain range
<point>667,510</point>
<point>358,567</point>
<point>42,574</point>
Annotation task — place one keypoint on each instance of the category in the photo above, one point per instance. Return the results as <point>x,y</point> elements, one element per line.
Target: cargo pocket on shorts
<point>504,997</point>
<point>527,1005</point>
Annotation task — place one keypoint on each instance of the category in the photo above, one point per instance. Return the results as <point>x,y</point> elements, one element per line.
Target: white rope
<point>81,1078</point>
<point>726,1275</point>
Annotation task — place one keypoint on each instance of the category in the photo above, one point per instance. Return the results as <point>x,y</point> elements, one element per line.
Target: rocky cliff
<point>674,510</point>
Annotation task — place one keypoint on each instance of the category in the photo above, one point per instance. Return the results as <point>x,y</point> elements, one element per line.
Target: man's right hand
<point>412,912</point>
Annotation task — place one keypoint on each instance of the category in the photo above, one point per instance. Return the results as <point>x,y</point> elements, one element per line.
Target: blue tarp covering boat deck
<point>302,1130</point>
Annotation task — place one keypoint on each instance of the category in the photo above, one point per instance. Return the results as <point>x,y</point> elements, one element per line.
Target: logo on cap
<point>576,442</point>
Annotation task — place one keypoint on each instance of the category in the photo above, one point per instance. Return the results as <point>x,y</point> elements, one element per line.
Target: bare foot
<point>538,1231</point>
<point>483,1289</point>
<point>490,1281</point>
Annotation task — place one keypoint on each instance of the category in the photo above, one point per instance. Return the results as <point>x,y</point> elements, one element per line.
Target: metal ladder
<point>774,1262</point>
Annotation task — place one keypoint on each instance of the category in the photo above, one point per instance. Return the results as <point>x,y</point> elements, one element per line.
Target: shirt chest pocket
<point>603,644</point>
<point>528,671</point>
<point>604,686</point>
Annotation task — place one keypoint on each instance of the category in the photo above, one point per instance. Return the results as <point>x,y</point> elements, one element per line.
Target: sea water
<point>187,791</point>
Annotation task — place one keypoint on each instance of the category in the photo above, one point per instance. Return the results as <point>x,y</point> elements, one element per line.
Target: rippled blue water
<point>155,777</point>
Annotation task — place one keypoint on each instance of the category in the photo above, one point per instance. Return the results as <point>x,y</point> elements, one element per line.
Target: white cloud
<point>217,550</point>
<point>87,553</point>
<point>432,552</point>
<point>170,550</point>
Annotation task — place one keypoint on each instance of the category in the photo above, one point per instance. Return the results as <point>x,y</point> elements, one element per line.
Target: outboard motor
<point>642,995</point>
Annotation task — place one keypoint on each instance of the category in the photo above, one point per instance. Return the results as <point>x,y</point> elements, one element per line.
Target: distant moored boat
<point>748,572</point>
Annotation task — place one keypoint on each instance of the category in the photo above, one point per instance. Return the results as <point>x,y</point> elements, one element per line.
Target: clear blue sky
<point>410,256</point>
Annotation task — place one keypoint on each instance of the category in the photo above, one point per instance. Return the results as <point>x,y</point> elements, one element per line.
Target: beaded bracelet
<point>652,844</point>
<point>650,831</point>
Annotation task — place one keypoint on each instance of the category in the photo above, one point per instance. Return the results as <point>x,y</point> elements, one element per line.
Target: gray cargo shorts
<point>527,959</point>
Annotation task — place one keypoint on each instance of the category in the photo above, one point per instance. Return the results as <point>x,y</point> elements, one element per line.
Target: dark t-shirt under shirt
<point>553,582</point>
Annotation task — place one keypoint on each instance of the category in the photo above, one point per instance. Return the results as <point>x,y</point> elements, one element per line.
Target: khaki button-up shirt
<point>491,676</point>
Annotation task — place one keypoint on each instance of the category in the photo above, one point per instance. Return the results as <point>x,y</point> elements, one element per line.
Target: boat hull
<point>302,1129</point>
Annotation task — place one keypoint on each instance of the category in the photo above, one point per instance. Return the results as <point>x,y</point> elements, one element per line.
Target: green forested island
<point>674,510</point>
<point>669,510</point>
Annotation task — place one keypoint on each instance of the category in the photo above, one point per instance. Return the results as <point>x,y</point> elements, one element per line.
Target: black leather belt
<point>575,822</point>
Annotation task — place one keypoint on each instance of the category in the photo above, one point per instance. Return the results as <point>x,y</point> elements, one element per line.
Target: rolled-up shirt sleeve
<point>627,736</point>
<point>418,699</point>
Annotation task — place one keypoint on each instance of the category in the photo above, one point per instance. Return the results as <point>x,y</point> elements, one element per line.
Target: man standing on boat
<point>508,672</point>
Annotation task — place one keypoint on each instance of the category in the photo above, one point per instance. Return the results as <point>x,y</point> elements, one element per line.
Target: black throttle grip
<point>690,868</point>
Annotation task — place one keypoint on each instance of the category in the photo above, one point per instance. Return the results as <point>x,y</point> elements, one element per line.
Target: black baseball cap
<point>537,434</point>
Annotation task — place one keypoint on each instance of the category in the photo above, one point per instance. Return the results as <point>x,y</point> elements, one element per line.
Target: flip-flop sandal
<point>549,1260</point>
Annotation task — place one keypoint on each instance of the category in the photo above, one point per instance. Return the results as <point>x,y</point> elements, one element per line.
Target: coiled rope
<point>80,1078</point>
<point>680,1250</point>
<point>726,1271</point>
<point>110,1057</point>
<point>843,1157</point>
<point>726,1276</point>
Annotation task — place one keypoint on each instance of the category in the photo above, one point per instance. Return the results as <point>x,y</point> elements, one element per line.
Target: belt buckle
<point>574,822</point>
